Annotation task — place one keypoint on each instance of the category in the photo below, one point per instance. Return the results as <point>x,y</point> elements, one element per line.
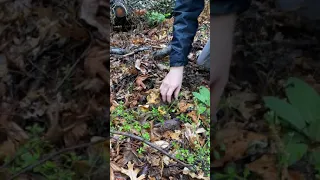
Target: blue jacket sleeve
<point>186,13</point>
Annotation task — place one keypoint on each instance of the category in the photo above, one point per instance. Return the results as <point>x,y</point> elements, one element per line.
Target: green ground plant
<point>299,117</point>
<point>129,123</point>
<point>32,151</point>
<point>155,18</point>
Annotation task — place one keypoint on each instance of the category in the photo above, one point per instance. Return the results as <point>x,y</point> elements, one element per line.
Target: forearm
<point>185,26</point>
<point>221,32</point>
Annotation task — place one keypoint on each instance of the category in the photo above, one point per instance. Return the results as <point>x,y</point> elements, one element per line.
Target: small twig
<point>136,51</point>
<point>50,156</point>
<point>73,67</point>
<point>151,145</point>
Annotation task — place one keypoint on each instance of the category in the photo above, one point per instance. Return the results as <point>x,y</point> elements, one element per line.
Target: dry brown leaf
<point>154,160</point>
<point>161,144</point>
<point>139,81</point>
<point>55,131</point>
<point>175,135</point>
<point>144,108</point>
<point>132,173</point>
<point>238,101</point>
<point>138,41</point>
<point>295,175</point>
<point>194,117</point>
<point>236,142</point>
<point>137,65</point>
<point>92,84</point>
<point>115,167</point>
<point>266,167</point>
<point>7,149</point>
<point>89,10</point>
<point>72,137</point>
<point>154,96</point>
<point>184,106</point>
<point>186,171</point>
<point>191,135</point>
<point>94,63</point>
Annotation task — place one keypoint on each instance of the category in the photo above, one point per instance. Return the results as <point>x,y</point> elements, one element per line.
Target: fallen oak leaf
<point>132,173</point>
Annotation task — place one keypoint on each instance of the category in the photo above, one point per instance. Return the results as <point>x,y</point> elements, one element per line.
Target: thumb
<point>176,92</point>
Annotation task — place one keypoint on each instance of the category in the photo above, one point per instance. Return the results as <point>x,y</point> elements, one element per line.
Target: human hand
<point>171,84</point>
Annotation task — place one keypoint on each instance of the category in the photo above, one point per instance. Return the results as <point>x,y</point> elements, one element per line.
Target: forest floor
<point>54,97</point>
<point>54,93</point>
<point>181,128</point>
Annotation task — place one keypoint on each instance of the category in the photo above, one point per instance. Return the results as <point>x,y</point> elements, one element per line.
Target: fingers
<point>169,94</point>
<point>163,90</point>
<point>176,92</point>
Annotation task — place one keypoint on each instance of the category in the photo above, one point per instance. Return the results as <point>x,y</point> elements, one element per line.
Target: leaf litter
<point>242,136</point>
<point>52,63</point>
<point>137,107</point>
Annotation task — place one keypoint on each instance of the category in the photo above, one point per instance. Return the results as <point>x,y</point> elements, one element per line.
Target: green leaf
<point>314,131</point>
<point>219,176</point>
<point>201,109</point>
<point>296,151</point>
<point>315,157</point>
<point>286,111</point>
<point>216,155</point>
<point>203,95</point>
<point>246,173</point>
<point>304,98</point>
<point>293,137</point>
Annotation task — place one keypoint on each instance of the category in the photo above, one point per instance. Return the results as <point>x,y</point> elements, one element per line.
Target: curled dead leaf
<point>137,65</point>
<point>139,81</point>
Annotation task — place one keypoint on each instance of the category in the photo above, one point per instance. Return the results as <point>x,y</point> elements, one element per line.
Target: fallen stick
<point>50,156</point>
<point>151,145</point>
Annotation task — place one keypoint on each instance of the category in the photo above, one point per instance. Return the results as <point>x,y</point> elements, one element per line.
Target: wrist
<point>177,68</point>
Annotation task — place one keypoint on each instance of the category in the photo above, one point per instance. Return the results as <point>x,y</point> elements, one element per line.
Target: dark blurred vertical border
<point>54,89</point>
<point>224,11</point>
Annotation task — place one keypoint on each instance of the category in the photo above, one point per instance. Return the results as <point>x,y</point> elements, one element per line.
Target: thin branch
<point>73,67</point>
<point>50,156</point>
<point>151,145</point>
